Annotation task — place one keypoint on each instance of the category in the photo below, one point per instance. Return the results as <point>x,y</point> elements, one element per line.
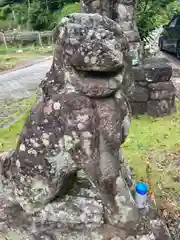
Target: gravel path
<point>21,83</point>
<point>17,85</point>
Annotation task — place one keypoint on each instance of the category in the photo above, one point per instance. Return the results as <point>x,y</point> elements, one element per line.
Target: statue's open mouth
<point>98,83</point>
<point>98,75</point>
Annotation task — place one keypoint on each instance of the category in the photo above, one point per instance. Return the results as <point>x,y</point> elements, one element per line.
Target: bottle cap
<point>141,188</point>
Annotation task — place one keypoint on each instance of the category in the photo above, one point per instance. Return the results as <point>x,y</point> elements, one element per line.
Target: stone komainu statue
<point>79,124</point>
<point>82,119</point>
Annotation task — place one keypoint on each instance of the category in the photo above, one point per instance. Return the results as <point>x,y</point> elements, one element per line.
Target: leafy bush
<point>44,15</point>
<point>154,13</point>
<point>4,25</point>
<point>167,13</point>
<point>39,15</point>
<point>39,18</point>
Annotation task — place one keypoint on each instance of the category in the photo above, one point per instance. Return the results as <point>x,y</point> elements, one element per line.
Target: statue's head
<point>93,53</point>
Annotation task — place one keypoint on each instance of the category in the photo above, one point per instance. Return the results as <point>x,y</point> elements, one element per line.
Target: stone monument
<point>66,178</point>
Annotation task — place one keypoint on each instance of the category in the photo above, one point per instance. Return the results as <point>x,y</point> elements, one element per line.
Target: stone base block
<point>157,70</point>
<point>138,74</point>
<point>138,108</point>
<point>140,94</point>
<point>81,215</point>
<point>73,220</point>
<point>162,86</point>
<point>161,90</point>
<point>161,108</point>
<point>160,95</point>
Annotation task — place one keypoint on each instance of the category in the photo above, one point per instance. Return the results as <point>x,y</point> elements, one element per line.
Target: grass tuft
<point>9,135</point>
<point>11,58</point>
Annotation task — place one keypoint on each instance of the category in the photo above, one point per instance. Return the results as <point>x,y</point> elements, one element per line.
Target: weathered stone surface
<point>162,90</point>
<point>158,229</point>
<point>139,108</point>
<point>142,84</point>
<point>125,169</point>
<point>122,12</point>
<point>161,108</point>
<point>71,212</point>
<point>157,72</point>
<point>140,94</point>
<point>156,60</point>
<point>152,82</point>
<point>67,179</point>
<point>80,122</point>
<point>162,86</point>
<point>138,74</point>
<point>174,227</point>
<point>159,95</point>
<point>97,65</point>
<point>132,36</point>
<point>97,6</point>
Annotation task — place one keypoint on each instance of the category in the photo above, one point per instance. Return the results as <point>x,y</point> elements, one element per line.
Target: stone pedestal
<point>154,92</point>
<point>80,214</point>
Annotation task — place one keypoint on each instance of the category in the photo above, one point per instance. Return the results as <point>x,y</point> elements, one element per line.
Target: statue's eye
<point>79,32</point>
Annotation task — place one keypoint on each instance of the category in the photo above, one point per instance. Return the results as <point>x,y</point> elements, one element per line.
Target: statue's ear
<point>56,32</point>
<point>59,27</point>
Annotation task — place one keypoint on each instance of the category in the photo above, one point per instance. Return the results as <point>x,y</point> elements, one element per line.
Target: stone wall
<point>154,92</point>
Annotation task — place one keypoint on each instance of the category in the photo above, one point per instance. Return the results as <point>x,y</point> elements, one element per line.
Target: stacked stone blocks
<point>154,92</point>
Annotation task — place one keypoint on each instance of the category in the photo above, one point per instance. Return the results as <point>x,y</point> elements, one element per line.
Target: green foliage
<point>4,25</point>
<point>153,13</point>
<point>35,14</point>
<point>6,10</point>
<point>45,14</point>
<point>151,139</point>
<point>21,16</point>
<point>7,2</point>
<point>2,3</point>
<point>39,18</point>
<point>167,13</point>
<point>10,134</point>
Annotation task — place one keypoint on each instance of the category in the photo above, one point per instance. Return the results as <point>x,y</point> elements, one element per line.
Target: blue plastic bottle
<point>141,195</point>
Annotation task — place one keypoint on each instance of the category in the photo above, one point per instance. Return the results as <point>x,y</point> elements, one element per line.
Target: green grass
<point>13,109</point>
<point>156,141</point>
<point>9,135</point>
<point>26,49</point>
<point>10,58</point>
